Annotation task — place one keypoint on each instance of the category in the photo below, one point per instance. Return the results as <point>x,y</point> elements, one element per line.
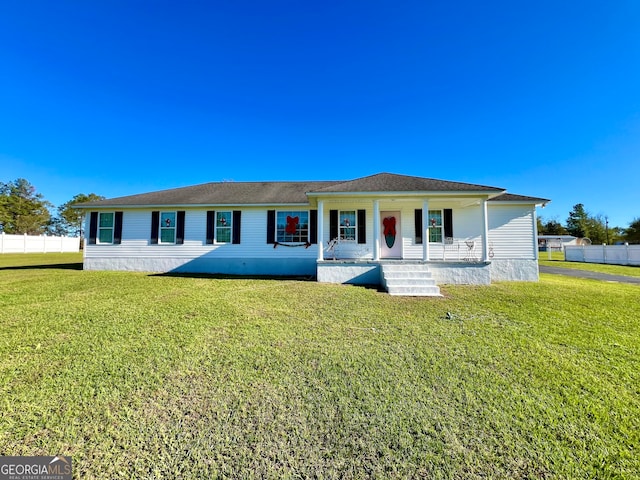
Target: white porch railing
<point>346,249</point>
<point>453,249</point>
<point>457,250</point>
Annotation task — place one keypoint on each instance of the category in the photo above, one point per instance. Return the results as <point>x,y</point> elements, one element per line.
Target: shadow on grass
<point>221,276</point>
<point>52,266</point>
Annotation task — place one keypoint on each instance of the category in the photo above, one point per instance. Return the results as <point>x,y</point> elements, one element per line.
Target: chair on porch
<point>451,249</point>
<point>470,256</point>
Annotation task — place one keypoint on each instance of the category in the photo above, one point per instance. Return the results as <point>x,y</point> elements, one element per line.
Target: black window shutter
<point>271,226</point>
<point>180,227</point>
<point>313,226</point>
<point>448,222</point>
<point>237,214</point>
<point>93,228</point>
<point>155,221</point>
<point>211,225</point>
<point>418,222</point>
<point>333,224</point>
<point>117,229</point>
<point>362,226</point>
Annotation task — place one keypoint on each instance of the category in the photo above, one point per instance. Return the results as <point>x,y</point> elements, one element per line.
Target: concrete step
<point>414,290</point>
<point>396,274</point>
<point>409,280</point>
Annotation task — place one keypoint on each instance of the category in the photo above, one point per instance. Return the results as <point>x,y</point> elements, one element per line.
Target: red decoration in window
<point>292,225</point>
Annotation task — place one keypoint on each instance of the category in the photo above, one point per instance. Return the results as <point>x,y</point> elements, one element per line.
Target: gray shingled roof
<point>221,193</point>
<point>390,182</point>
<point>274,193</point>
<point>512,197</point>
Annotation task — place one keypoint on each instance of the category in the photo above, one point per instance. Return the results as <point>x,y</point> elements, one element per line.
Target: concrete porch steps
<point>409,279</point>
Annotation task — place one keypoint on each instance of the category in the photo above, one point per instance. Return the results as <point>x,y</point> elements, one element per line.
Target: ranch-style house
<point>408,234</point>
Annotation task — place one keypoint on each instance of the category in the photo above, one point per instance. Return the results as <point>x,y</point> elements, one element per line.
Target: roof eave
<point>193,205</point>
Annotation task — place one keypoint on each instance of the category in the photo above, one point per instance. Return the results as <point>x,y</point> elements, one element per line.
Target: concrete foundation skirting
<point>460,273</point>
<point>356,273</point>
<point>226,266</point>
<point>511,270</point>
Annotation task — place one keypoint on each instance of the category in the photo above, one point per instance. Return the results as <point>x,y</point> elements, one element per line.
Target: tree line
<point>24,210</point>
<point>582,224</point>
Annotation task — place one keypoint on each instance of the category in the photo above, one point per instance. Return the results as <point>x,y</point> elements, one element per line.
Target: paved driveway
<point>586,274</point>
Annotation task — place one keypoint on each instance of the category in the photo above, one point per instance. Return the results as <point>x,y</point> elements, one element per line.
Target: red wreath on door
<point>389,226</point>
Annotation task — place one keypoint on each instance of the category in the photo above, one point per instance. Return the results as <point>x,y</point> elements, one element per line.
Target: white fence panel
<point>37,244</point>
<point>612,254</point>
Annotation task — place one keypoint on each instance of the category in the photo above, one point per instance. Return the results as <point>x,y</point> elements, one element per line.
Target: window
<point>167,227</point>
<point>292,226</point>
<point>223,227</point>
<point>435,226</point>
<point>347,225</point>
<point>105,227</point>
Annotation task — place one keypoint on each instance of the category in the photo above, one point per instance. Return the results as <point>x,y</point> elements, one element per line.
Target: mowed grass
<point>556,259</point>
<point>146,376</point>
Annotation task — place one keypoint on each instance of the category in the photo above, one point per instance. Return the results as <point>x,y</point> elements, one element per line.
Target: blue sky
<point>122,97</point>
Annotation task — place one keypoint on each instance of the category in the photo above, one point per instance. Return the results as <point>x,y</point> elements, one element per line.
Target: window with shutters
<point>224,222</point>
<point>292,226</point>
<point>105,227</point>
<point>347,224</point>
<point>167,227</point>
<point>435,226</point>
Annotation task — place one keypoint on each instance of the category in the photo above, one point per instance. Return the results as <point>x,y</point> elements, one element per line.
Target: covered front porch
<point>404,229</point>
<point>445,239</point>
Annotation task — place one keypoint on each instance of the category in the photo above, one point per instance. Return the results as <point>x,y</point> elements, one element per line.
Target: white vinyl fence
<point>613,254</point>
<point>37,244</point>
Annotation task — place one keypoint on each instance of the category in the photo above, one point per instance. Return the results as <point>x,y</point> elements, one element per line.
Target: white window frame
<point>303,235</point>
<point>342,227</point>
<point>174,227</point>
<point>229,226</point>
<point>101,228</point>
<point>437,226</point>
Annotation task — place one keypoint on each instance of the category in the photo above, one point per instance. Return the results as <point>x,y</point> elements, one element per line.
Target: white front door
<point>390,235</point>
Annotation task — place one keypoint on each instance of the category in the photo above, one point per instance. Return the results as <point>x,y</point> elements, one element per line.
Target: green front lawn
<point>144,376</point>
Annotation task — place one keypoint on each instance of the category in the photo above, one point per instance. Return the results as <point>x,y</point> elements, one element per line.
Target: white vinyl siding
<point>511,233</point>
<point>136,231</point>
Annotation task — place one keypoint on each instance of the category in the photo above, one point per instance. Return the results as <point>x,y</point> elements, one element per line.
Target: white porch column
<point>320,230</point>
<point>376,230</point>
<point>534,221</point>
<point>485,231</point>
<point>425,230</point>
